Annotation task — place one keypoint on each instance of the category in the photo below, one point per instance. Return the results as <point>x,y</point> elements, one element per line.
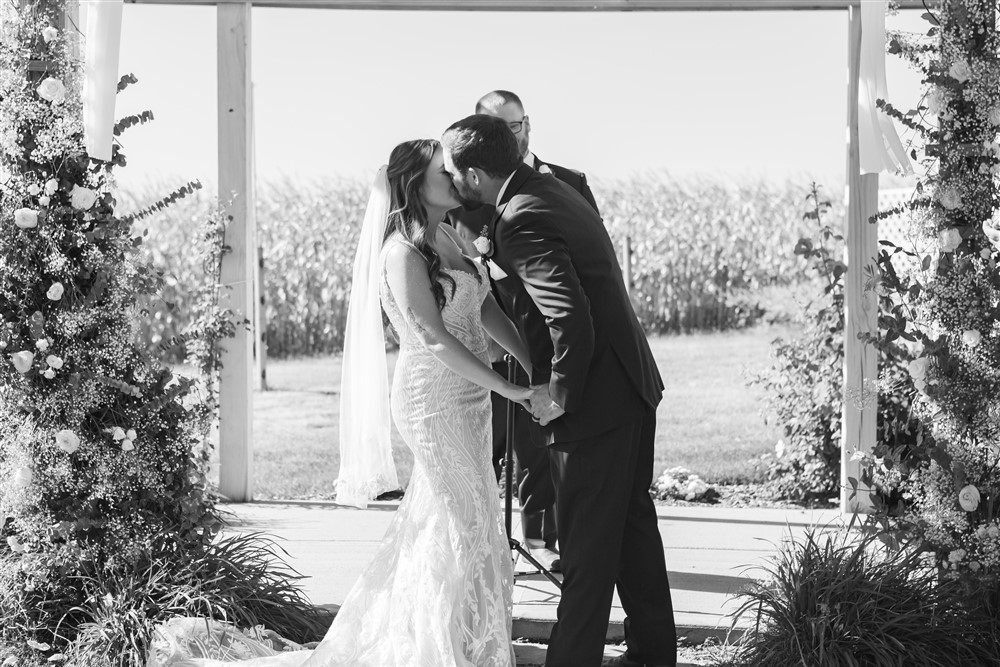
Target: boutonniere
<point>483,243</point>
<point>545,169</point>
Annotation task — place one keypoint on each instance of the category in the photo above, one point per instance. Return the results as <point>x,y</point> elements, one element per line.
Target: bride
<point>438,591</point>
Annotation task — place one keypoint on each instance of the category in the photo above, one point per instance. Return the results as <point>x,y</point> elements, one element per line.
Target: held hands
<point>543,409</point>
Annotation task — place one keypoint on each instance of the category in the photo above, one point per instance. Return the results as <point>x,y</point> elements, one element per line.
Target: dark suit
<point>565,293</point>
<point>533,479</point>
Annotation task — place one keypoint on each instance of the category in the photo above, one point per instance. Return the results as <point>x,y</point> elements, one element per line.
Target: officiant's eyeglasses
<point>515,127</point>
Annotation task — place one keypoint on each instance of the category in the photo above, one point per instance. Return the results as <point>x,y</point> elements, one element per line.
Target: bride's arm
<point>406,273</point>
<point>503,331</point>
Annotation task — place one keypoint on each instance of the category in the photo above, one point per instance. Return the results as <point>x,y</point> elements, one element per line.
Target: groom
<point>596,390</point>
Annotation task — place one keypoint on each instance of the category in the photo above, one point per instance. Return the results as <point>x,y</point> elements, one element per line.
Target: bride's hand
<point>517,394</point>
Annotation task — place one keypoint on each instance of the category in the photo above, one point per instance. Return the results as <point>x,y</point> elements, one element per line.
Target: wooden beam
<point>548,5</point>
<point>236,188</point>
<point>860,301</point>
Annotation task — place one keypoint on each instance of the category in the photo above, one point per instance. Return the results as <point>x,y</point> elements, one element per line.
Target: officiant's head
<point>480,152</point>
<point>507,106</point>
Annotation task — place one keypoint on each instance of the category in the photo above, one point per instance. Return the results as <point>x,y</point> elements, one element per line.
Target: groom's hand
<point>543,409</point>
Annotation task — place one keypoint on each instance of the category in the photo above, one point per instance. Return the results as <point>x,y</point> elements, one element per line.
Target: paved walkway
<point>710,554</point>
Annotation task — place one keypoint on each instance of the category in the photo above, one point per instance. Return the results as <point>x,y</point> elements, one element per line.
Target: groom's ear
<point>475,176</point>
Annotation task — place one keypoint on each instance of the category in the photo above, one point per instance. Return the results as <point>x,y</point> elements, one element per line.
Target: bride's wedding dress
<point>438,591</point>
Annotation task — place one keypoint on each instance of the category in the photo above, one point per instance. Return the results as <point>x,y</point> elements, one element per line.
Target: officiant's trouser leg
<point>609,536</point>
<point>533,481</point>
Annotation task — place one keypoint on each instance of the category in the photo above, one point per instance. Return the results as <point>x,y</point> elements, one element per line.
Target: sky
<point>732,95</point>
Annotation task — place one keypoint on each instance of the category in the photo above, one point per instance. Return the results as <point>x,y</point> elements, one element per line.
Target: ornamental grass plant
<point>837,600</point>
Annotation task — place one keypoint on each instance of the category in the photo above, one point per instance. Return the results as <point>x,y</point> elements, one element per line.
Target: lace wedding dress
<point>438,591</point>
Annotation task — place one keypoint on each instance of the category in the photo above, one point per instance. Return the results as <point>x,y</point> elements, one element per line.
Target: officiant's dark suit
<point>564,290</point>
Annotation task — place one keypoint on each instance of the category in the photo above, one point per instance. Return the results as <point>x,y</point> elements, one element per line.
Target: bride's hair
<point>407,214</point>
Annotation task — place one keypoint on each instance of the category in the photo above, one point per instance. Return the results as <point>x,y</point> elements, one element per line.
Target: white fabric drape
<point>103,33</point>
<point>366,466</point>
<point>880,147</point>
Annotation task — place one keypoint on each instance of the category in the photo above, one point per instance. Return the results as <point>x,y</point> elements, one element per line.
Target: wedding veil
<point>366,466</point>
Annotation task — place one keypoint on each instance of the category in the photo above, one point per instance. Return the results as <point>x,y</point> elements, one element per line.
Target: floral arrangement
<point>945,486</point>
<point>103,450</point>
<point>682,484</point>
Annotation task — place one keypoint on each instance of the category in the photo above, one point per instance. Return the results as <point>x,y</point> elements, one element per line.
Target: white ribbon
<point>103,33</point>
<point>880,147</point>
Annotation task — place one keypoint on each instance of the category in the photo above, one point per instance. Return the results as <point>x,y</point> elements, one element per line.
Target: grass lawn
<point>708,422</point>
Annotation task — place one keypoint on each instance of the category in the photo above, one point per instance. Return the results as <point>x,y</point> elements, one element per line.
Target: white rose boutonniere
<point>968,498</point>
<point>26,218</point>
<point>82,198</point>
<point>483,243</point>
<point>52,90</point>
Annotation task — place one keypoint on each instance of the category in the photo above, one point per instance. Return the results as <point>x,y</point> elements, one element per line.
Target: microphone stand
<point>508,465</point>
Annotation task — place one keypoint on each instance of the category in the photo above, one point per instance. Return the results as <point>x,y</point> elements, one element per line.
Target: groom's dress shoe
<point>544,555</point>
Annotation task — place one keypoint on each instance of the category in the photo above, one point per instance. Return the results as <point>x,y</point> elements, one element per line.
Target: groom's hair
<point>493,100</point>
<point>483,142</point>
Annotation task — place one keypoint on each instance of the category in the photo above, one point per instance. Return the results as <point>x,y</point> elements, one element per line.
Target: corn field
<point>705,256</point>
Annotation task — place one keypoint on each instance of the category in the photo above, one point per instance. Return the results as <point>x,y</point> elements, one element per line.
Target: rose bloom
<point>26,218</point>
<point>23,361</point>
<point>42,344</point>
<point>127,446</point>
<point>49,33</point>
<point>949,239</point>
<point>43,201</point>
<point>15,544</point>
<point>960,71</point>
<point>49,374</point>
<point>118,434</point>
<point>956,555</point>
<point>51,186</point>
<point>55,291</point>
<point>972,337</point>
<point>82,198</point>
<point>52,90</point>
<point>34,189</point>
<point>950,198</point>
<point>968,498</point>
<point>22,478</point>
<point>67,441</point>
<point>54,361</point>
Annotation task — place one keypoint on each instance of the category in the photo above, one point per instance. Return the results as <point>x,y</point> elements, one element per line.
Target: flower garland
<point>948,309</point>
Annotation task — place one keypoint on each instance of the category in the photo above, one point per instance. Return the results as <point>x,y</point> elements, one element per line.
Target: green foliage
<point>804,383</point>
<point>830,603</point>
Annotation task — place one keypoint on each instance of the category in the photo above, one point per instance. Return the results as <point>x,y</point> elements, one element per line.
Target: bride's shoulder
<point>398,256</point>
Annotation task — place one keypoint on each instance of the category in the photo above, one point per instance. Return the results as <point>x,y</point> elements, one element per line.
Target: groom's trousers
<point>608,536</point>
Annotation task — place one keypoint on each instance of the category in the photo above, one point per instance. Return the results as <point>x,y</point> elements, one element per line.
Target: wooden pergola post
<point>236,183</point>
<point>860,302</point>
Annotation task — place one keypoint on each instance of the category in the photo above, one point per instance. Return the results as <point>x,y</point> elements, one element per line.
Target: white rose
<point>42,344</point>
<point>26,218</point>
<point>67,441</point>
<point>22,478</point>
<point>15,544</point>
<point>950,198</point>
<point>972,337</point>
<point>43,201</point>
<point>937,102</point>
<point>22,361</point>
<point>55,291</point>
<point>127,446</point>
<point>34,189</point>
<point>118,434</point>
<point>49,374</point>
<point>994,116</point>
<point>482,244</point>
<point>130,434</point>
<point>949,239</point>
<point>993,531</point>
<point>54,361</point>
<point>960,71</point>
<point>52,90</point>
<point>918,371</point>
<point>49,33</point>
<point>51,186</point>
<point>992,230</point>
<point>82,198</point>
<point>968,498</point>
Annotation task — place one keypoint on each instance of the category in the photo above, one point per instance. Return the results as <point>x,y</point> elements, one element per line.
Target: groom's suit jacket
<point>565,293</point>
